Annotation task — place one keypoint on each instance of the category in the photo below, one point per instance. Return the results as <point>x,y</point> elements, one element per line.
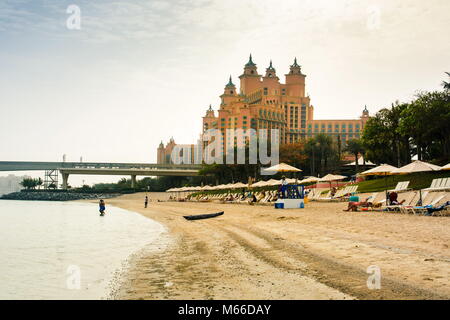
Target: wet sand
<point>257,252</point>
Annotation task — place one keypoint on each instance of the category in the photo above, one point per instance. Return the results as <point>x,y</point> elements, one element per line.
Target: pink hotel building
<point>263,102</point>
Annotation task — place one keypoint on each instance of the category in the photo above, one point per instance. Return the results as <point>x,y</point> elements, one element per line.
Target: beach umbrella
<point>446,167</point>
<point>206,188</point>
<point>381,170</point>
<point>239,185</point>
<point>258,184</point>
<point>291,181</point>
<point>417,166</point>
<point>309,180</point>
<point>273,182</point>
<point>282,167</point>
<point>332,177</point>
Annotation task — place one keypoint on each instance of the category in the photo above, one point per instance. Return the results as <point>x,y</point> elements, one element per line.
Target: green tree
<point>355,147</point>
<point>427,120</point>
<point>29,183</point>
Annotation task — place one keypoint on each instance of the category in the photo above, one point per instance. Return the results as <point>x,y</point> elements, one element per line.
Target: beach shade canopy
<point>446,167</point>
<point>309,180</point>
<point>291,181</point>
<point>273,182</point>
<point>416,166</point>
<point>332,177</point>
<point>261,183</point>
<point>282,167</point>
<point>381,170</point>
<point>206,188</point>
<point>239,185</point>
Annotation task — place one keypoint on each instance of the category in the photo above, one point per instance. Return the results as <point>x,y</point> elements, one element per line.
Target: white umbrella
<point>282,167</point>
<point>273,182</point>
<point>332,177</point>
<point>381,170</point>
<point>239,185</point>
<point>417,166</point>
<point>261,183</point>
<point>309,180</point>
<point>446,167</point>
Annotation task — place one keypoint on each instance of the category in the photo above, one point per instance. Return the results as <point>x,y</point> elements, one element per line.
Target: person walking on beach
<point>284,184</point>
<point>145,202</point>
<point>102,207</point>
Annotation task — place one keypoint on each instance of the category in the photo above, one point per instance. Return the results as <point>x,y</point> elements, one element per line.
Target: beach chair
<point>406,198</point>
<point>401,186</point>
<point>439,184</point>
<point>423,209</point>
<point>324,197</point>
<point>339,193</point>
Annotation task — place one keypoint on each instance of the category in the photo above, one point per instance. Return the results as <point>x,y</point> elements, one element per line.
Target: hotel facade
<point>263,102</point>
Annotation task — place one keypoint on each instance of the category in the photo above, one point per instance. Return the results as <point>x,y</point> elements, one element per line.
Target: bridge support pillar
<point>133,181</point>
<point>65,183</point>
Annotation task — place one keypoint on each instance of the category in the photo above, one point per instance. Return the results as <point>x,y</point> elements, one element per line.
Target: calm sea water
<point>65,250</point>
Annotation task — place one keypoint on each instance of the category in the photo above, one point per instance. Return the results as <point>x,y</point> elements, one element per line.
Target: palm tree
<point>446,84</point>
<point>39,183</point>
<point>355,147</point>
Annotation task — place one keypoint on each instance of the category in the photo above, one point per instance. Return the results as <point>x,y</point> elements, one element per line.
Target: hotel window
<point>265,91</point>
<point>283,92</point>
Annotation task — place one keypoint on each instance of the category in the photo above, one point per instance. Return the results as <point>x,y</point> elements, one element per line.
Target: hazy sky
<point>139,72</point>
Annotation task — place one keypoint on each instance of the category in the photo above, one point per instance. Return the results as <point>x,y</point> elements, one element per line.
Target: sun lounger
<point>439,184</point>
<point>401,186</point>
<point>424,209</point>
<point>406,199</point>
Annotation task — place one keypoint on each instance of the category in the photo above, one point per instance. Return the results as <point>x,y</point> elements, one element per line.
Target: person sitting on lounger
<point>393,199</point>
<point>353,206</point>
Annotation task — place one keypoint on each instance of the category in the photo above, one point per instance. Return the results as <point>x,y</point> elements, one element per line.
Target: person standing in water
<point>102,207</point>
<point>145,202</point>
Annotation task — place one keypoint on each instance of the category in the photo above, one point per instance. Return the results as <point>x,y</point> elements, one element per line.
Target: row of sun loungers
<point>436,196</point>
<point>261,197</point>
<point>320,195</point>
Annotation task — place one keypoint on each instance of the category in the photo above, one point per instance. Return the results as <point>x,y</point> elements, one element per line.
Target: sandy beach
<point>258,252</point>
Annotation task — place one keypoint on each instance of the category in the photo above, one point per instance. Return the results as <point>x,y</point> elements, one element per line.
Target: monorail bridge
<point>99,168</point>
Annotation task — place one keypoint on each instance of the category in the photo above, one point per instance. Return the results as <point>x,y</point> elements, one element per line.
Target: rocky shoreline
<point>56,196</point>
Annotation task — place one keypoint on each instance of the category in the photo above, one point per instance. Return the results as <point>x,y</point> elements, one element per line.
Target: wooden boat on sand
<point>203,216</point>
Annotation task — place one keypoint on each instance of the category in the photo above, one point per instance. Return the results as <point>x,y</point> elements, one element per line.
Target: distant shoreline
<point>56,196</point>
